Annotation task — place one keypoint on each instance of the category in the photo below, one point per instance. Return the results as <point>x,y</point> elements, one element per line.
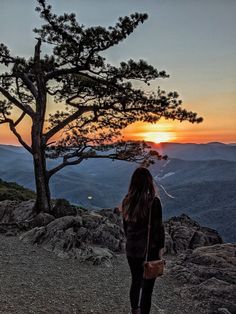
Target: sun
<point>158,137</point>
<point>157,132</point>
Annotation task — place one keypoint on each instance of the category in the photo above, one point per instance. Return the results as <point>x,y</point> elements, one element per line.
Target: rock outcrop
<point>89,236</point>
<point>15,211</point>
<point>204,267</point>
<point>209,274</point>
<point>70,232</point>
<point>183,233</point>
<point>94,235</point>
<point>63,208</point>
<point>17,216</point>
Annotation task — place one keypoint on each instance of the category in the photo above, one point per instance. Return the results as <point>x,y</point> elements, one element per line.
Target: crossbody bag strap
<point>148,235</point>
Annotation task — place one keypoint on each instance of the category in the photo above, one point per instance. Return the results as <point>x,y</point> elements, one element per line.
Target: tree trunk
<point>42,203</point>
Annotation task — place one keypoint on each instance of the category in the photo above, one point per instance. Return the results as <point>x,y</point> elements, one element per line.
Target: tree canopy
<point>95,100</point>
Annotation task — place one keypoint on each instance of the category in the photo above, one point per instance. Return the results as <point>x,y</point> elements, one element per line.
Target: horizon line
<point>181,143</point>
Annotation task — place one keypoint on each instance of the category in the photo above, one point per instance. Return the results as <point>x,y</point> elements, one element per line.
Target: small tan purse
<point>152,269</point>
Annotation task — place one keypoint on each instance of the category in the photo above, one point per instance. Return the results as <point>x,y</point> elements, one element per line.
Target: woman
<point>140,199</point>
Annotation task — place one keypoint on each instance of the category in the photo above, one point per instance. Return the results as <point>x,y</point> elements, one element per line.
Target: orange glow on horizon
<point>163,131</point>
<point>157,133</point>
<point>174,131</point>
<point>158,137</point>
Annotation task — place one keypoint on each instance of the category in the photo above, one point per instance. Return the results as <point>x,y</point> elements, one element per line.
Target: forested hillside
<point>203,189</point>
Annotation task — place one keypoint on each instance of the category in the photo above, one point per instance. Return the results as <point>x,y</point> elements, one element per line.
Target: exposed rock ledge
<point>205,267</point>
<point>183,233</point>
<point>209,275</point>
<point>85,235</point>
<point>92,235</point>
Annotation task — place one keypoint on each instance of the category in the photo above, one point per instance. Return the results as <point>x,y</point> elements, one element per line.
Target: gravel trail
<point>33,280</point>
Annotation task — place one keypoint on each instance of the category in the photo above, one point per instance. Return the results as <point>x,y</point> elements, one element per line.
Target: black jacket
<point>136,232</point>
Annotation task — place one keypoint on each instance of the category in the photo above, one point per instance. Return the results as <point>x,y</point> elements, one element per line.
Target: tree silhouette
<point>95,100</point>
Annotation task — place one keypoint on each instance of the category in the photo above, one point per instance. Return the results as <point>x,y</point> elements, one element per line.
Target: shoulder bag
<point>152,269</point>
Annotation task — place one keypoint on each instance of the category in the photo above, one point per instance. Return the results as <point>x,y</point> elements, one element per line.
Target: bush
<point>14,192</point>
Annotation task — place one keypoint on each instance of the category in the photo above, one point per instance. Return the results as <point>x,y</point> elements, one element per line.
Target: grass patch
<point>14,192</point>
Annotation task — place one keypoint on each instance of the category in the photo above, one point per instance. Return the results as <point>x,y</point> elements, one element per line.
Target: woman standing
<point>140,199</point>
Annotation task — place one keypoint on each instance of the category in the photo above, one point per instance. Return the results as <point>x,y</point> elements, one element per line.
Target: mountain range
<point>197,179</point>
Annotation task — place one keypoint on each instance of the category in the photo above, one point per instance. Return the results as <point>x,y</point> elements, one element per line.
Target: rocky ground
<point>72,262</point>
<point>34,280</point>
<point>208,275</point>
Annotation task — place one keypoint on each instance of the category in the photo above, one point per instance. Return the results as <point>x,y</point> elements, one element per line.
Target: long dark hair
<point>140,195</point>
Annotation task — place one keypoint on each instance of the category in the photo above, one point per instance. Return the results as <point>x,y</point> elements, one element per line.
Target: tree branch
<point>61,72</point>
<point>127,154</point>
<point>28,110</point>
<point>3,121</point>
<point>19,119</point>
<point>66,121</point>
<point>29,84</point>
<point>79,160</point>
<point>64,164</point>
<point>14,131</point>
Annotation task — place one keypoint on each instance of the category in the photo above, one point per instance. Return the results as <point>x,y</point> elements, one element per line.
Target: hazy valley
<point>199,180</point>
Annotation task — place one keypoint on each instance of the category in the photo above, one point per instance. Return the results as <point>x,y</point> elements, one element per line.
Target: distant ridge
<point>202,179</point>
<point>216,143</point>
<point>193,151</point>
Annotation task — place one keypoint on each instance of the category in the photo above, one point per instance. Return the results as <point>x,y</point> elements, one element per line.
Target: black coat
<point>136,233</point>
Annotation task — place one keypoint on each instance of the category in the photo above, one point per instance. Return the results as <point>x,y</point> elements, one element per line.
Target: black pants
<point>136,268</point>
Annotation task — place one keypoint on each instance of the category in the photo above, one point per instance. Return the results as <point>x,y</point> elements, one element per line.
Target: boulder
<point>186,233</point>
<point>90,237</point>
<point>209,275</point>
<point>63,208</point>
<point>18,216</point>
<point>113,215</point>
<point>42,219</point>
<point>169,244</point>
<point>15,211</point>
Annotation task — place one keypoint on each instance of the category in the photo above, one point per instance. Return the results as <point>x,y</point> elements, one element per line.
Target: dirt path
<point>33,280</point>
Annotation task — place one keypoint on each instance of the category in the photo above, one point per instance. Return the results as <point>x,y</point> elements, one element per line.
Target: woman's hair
<point>140,195</point>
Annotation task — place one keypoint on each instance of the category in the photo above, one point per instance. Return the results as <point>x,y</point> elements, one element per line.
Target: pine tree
<point>95,100</point>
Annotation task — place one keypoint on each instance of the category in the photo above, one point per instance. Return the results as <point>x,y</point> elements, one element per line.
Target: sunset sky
<point>194,41</point>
